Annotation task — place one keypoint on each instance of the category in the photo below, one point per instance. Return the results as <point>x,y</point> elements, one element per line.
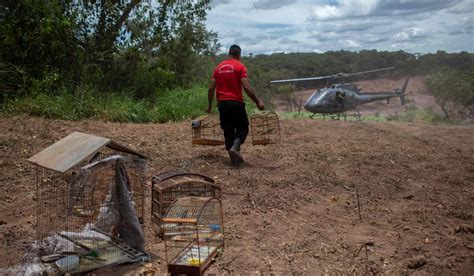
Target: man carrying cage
<point>228,79</point>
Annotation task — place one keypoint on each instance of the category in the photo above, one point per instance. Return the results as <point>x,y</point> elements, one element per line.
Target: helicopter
<point>342,97</point>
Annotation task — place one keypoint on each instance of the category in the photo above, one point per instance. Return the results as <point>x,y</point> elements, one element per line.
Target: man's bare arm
<point>210,94</point>
<point>251,93</point>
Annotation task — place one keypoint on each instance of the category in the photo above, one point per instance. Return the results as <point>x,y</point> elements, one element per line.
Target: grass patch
<point>413,114</point>
<point>307,115</point>
<point>172,105</point>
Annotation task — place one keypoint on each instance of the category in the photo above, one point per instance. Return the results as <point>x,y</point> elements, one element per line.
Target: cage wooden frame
<point>206,131</point>
<point>265,128</point>
<point>170,185</point>
<point>193,230</point>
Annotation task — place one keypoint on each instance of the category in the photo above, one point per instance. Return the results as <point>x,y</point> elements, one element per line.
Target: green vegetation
<point>175,105</point>
<point>150,61</point>
<point>113,47</point>
<point>411,115</point>
<point>414,114</point>
<point>453,91</point>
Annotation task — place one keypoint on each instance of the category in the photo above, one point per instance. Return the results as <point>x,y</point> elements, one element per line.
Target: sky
<point>415,26</point>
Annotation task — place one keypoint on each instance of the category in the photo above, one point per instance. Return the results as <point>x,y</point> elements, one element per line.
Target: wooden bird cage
<point>207,131</point>
<point>168,186</point>
<point>265,127</point>
<point>193,234</point>
<point>84,185</point>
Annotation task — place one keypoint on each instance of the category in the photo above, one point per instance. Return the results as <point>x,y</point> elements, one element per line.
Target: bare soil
<point>417,95</point>
<point>292,207</point>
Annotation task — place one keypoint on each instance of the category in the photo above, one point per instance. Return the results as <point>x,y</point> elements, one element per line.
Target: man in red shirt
<point>229,77</point>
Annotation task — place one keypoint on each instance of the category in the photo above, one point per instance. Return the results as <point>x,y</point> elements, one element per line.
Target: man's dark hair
<point>234,50</point>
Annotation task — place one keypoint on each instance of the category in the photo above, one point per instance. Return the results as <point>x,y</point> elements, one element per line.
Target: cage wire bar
<point>90,202</point>
<point>206,131</point>
<point>265,128</point>
<point>193,234</point>
<point>170,185</point>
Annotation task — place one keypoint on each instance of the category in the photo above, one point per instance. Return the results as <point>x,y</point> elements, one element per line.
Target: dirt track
<point>292,208</point>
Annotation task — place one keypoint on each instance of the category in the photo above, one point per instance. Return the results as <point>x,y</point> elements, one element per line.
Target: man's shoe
<point>235,157</point>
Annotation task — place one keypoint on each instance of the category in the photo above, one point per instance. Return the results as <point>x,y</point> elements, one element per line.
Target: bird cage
<point>207,131</point>
<point>265,127</point>
<point>193,234</point>
<point>168,186</point>
<point>90,203</point>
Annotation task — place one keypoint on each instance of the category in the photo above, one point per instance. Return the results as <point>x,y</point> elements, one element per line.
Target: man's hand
<point>260,105</point>
<point>209,109</point>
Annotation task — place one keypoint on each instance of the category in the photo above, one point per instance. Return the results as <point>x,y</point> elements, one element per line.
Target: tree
<point>453,91</point>
<point>131,45</point>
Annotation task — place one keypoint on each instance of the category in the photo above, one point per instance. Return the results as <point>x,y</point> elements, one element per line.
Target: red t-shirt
<point>228,75</point>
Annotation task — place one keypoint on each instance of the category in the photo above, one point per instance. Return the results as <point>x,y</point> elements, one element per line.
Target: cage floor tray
<point>195,255</point>
<point>109,253</point>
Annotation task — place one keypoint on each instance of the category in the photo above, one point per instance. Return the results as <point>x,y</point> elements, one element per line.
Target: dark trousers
<point>234,121</point>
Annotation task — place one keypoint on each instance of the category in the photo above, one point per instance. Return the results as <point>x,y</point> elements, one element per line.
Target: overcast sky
<point>267,26</point>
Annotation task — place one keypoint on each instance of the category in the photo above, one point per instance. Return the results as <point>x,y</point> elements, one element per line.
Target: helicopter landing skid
<point>337,116</point>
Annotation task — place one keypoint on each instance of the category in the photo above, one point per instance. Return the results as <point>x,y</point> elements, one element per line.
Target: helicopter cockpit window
<point>340,97</point>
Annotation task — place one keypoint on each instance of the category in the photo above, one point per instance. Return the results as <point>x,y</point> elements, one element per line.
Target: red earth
<point>292,207</point>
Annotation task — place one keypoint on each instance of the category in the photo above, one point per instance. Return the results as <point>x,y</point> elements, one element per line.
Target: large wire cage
<point>193,234</point>
<point>90,202</point>
<point>206,131</point>
<point>265,128</point>
<point>170,185</point>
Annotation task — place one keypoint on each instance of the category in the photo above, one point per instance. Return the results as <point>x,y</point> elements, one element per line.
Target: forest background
<point>150,61</point>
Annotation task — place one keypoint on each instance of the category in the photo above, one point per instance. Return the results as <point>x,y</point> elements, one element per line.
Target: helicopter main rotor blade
<point>302,79</point>
<point>366,72</point>
<point>338,75</point>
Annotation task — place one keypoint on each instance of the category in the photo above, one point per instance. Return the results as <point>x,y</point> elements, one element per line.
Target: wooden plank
<point>178,220</point>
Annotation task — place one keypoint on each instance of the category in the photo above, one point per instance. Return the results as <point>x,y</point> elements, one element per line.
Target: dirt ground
<point>292,208</point>
<point>417,95</point>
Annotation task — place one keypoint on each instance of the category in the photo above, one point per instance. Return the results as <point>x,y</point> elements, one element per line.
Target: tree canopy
<point>115,45</point>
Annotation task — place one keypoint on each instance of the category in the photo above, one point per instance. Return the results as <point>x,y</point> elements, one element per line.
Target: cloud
<point>230,34</point>
<point>267,36</point>
<point>246,40</point>
<point>287,40</point>
<point>464,7</point>
<point>410,35</point>
<point>272,4</point>
<point>406,7</point>
<point>324,25</point>
<point>465,26</point>
<point>344,9</point>
<point>215,3</point>
<point>260,25</point>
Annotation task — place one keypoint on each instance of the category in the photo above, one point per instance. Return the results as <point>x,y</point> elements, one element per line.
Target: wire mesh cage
<point>206,131</point>
<point>90,203</point>
<point>265,127</point>
<point>193,234</point>
<point>168,186</point>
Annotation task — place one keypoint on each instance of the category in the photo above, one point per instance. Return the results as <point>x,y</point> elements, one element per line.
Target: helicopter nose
<point>310,106</point>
